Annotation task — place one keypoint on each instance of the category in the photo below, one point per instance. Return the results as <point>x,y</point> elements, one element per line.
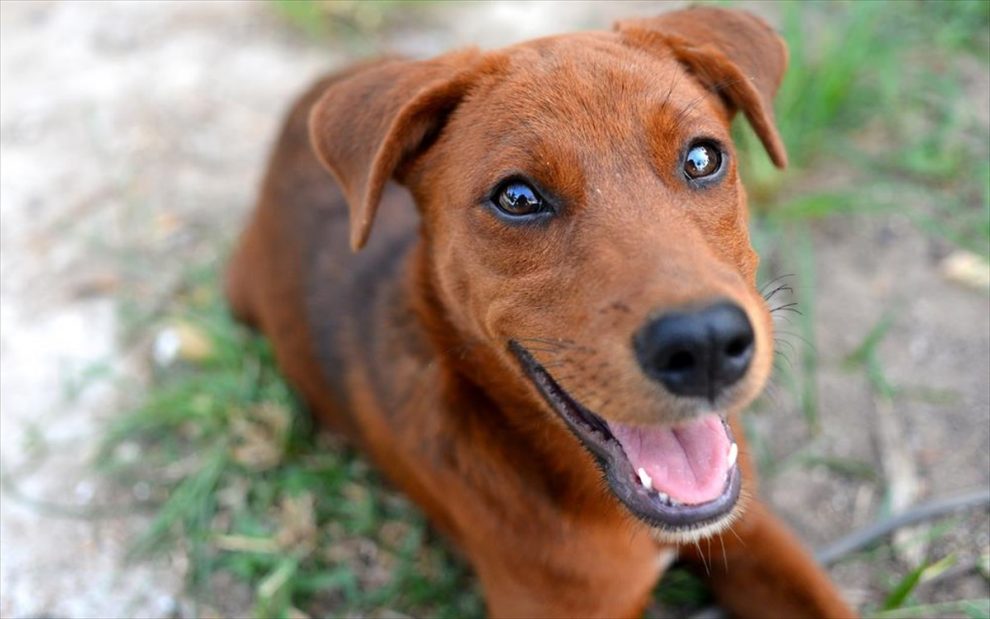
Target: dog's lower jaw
<point>701,532</point>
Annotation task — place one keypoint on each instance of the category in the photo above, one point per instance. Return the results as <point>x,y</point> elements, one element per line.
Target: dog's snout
<point>697,353</point>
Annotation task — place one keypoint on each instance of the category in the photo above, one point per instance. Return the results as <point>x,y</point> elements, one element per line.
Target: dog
<point>548,338</point>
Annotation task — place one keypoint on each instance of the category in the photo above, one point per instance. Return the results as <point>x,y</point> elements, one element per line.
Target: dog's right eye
<point>519,200</point>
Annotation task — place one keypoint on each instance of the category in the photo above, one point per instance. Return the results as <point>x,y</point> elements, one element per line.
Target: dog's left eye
<point>517,199</point>
<point>703,159</point>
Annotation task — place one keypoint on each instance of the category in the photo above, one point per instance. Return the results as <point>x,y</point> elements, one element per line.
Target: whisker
<point>785,318</point>
<point>800,337</point>
<point>702,555</point>
<point>733,531</point>
<point>552,351</point>
<point>772,282</point>
<point>779,340</point>
<point>682,115</point>
<point>779,288</point>
<point>783,356</point>
<point>771,392</point>
<point>787,307</point>
<point>670,91</point>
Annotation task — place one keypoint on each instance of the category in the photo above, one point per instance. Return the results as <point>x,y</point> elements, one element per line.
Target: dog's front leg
<point>767,572</point>
<point>757,567</point>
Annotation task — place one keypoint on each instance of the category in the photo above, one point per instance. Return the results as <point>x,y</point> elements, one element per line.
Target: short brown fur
<point>403,346</point>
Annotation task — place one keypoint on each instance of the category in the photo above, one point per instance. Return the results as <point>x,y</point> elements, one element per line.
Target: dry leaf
<point>966,268</point>
<point>244,543</point>
<point>297,530</point>
<point>181,341</point>
<point>393,533</point>
<point>259,436</point>
<point>295,613</point>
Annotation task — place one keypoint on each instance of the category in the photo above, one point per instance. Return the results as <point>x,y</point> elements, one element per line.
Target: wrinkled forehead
<point>586,101</point>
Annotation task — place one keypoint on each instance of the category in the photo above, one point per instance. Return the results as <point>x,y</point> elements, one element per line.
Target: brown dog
<point>550,357</point>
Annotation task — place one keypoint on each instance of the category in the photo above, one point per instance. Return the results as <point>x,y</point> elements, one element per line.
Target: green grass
<point>354,25</point>
<point>867,357</point>
<point>901,592</point>
<point>240,484</point>
<point>974,609</point>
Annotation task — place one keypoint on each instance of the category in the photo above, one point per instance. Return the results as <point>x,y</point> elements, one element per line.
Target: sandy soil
<point>133,136</point>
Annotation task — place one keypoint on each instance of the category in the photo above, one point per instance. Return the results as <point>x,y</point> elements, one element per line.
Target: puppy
<point>548,337</point>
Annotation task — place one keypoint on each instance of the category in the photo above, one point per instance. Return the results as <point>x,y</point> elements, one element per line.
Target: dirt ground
<point>133,137</point>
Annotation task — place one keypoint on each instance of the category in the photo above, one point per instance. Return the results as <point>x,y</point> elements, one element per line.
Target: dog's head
<point>584,221</point>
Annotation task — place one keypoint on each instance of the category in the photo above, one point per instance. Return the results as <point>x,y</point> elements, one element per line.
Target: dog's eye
<point>703,159</point>
<point>517,199</point>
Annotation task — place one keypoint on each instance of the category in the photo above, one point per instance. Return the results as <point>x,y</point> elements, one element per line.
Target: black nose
<point>697,353</point>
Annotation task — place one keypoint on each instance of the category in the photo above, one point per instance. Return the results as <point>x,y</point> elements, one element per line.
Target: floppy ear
<point>733,53</point>
<point>368,125</point>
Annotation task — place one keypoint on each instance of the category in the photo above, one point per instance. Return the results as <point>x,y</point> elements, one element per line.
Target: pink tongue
<point>688,462</point>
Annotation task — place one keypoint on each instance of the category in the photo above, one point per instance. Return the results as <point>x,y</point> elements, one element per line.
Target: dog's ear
<point>371,123</point>
<point>733,53</point>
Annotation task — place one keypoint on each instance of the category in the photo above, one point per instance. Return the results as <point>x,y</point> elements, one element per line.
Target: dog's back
<point>295,250</point>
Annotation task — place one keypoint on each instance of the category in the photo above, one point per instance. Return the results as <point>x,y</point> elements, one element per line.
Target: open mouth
<point>679,479</point>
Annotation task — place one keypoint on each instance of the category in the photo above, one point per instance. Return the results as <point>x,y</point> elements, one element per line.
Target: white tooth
<point>733,454</point>
<point>663,496</point>
<point>644,479</point>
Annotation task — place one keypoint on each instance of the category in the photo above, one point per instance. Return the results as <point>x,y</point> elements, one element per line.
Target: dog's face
<point>584,220</point>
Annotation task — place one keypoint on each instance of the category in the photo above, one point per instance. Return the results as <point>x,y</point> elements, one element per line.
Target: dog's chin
<point>680,536</point>
<point>681,480</point>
